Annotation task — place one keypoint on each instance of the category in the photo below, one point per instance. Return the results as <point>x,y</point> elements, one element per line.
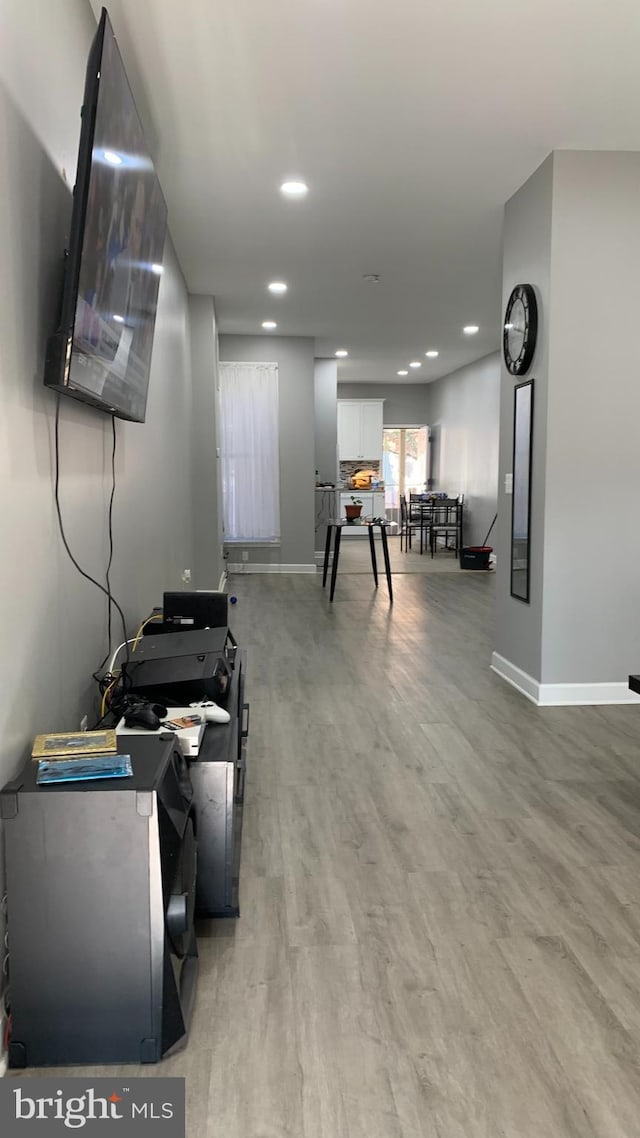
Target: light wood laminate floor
<point>440,930</point>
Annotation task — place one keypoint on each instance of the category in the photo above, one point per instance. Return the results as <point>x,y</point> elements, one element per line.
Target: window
<point>404,462</point>
<point>249,451</point>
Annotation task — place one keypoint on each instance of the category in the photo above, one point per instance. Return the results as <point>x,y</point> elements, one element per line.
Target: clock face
<point>520,329</point>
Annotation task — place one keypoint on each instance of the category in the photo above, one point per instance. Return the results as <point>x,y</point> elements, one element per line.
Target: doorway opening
<point>405,453</point>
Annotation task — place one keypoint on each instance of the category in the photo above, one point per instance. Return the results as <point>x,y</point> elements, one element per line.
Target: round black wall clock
<point>520,329</point>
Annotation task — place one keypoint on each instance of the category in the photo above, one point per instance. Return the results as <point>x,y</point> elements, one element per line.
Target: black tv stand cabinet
<point>218,777</point>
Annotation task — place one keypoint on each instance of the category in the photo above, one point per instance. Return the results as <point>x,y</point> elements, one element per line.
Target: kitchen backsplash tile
<point>349,467</point>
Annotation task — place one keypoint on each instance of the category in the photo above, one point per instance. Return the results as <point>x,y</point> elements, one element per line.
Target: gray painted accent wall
<point>326,419</point>
<point>526,259</point>
<point>573,231</point>
<point>207,487</point>
<point>463,412</point>
<point>592,540</point>
<point>294,356</point>
<point>54,621</point>
<point>405,404</point>
<point>326,429</point>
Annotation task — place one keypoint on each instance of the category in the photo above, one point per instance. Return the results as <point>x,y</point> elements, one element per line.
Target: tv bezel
<point>57,376</point>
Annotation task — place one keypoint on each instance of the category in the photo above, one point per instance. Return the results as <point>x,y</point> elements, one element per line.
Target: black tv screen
<point>101,352</point>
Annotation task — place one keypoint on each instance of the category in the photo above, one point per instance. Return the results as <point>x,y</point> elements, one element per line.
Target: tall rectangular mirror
<point>521,500</point>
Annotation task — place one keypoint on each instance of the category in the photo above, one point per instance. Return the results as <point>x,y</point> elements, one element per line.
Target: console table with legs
<point>334,530</point>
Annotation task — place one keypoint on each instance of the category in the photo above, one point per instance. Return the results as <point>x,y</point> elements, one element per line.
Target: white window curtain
<point>249,451</point>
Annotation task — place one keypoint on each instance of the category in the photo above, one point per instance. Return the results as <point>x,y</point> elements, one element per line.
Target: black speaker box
<point>100,903</point>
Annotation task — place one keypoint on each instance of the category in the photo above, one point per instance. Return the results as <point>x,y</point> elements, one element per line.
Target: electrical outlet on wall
<point>245,555</point>
<point>186,576</point>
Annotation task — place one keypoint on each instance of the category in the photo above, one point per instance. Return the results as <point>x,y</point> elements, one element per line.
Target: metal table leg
<point>327,549</point>
<point>387,564</point>
<point>374,563</point>
<point>334,567</point>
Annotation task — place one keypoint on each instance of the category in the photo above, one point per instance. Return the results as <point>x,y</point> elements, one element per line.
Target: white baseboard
<point>255,567</point>
<point>515,676</point>
<point>560,695</point>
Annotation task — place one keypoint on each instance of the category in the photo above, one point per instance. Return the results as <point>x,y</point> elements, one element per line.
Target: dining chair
<point>421,515</point>
<point>407,527</point>
<point>447,523</point>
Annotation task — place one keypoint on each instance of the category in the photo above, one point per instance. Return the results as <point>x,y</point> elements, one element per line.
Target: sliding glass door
<point>404,462</point>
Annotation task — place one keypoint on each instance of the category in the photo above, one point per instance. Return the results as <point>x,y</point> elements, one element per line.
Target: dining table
<point>431,508</point>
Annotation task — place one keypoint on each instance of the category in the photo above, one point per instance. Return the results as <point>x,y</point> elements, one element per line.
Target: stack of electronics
<point>179,675</point>
<point>117,840</point>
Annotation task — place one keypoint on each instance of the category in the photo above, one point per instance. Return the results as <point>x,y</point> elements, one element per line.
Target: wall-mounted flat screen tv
<point>101,352</point>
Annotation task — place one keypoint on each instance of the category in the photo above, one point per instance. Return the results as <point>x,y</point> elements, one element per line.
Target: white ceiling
<point>413,122</point>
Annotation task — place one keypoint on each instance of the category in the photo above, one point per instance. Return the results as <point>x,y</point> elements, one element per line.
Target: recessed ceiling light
<point>372,278</point>
<point>157,269</point>
<point>403,373</point>
<point>277,287</point>
<point>431,354</point>
<point>113,158</point>
<point>415,363</point>
<point>269,324</point>
<point>470,329</point>
<point>294,189</point>
<point>341,353</point>
<point>118,319</point>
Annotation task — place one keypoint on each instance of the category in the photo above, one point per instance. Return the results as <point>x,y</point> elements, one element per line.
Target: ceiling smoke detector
<point>372,278</point>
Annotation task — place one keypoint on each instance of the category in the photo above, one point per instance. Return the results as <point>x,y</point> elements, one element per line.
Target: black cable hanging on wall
<point>107,591</point>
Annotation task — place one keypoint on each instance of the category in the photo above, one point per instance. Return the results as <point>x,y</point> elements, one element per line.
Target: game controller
<point>139,713</point>
<point>210,711</point>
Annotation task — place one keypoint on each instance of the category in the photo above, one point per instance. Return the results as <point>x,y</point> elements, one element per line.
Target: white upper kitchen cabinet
<point>359,428</point>
<point>349,429</point>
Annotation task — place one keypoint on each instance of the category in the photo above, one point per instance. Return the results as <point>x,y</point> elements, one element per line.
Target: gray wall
<point>326,430</point>
<point>53,620</point>
<point>573,231</point>
<point>405,404</point>
<point>294,356</point>
<point>207,488</point>
<point>592,539</point>
<point>463,411</point>
<point>326,419</point>
<point>527,258</point>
